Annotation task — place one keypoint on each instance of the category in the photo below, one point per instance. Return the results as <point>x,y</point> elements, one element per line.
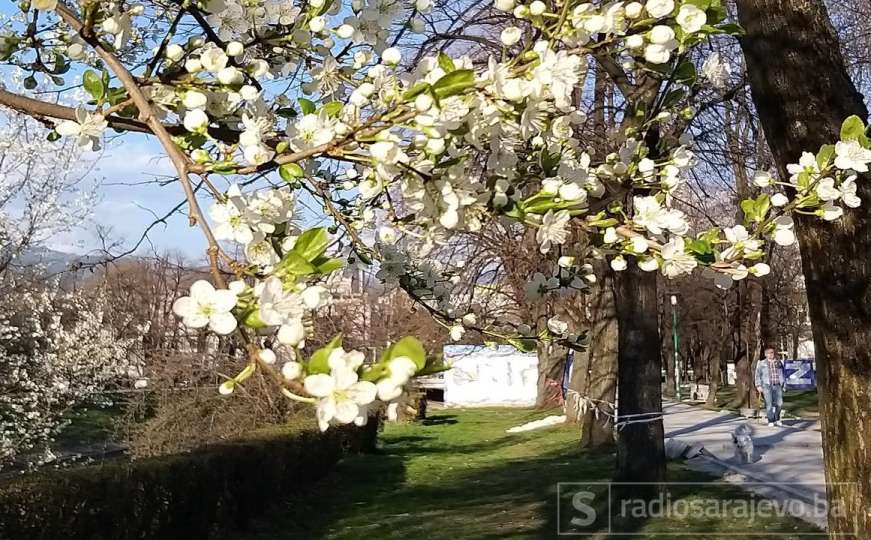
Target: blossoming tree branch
<point>316,94</point>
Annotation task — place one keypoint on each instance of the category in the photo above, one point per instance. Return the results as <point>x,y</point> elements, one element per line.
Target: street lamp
<point>674,337</point>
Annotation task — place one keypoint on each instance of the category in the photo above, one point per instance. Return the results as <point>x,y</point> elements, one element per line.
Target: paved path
<point>791,456</point>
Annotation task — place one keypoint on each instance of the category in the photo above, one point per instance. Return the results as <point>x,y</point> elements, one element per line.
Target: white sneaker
<point>778,423</point>
<point>770,424</point>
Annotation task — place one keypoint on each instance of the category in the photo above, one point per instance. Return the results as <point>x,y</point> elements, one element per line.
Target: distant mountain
<point>47,261</point>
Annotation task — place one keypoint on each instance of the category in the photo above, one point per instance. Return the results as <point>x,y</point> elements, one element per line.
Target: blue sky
<point>129,201</point>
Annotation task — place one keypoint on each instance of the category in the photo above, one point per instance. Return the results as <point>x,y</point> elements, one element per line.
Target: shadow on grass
<point>440,419</point>
<point>470,481</point>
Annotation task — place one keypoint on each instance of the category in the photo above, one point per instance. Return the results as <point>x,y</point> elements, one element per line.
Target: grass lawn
<point>88,426</point>
<point>795,402</point>
<point>459,476</point>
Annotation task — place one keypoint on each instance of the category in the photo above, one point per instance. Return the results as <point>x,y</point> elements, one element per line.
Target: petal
<point>195,320</point>
<point>346,411</point>
<point>202,289</point>
<point>319,385</point>
<point>224,300</point>
<point>222,323</point>
<point>183,306</point>
<point>68,128</point>
<point>363,392</point>
<point>292,333</point>
<point>326,411</point>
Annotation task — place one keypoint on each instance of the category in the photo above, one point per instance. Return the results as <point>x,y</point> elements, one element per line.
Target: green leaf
<point>307,106</point>
<point>320,359</point>
<point>252,319</point>
<point>295,264</point>
<point>522,345</point>
<point>434,364</point>
<point>732,29</point>
<point>763,204</point>
<point>824,156</point>
<point>325,265</point>
<point>673,98</point>
<point>373,373</point>
<point>30,82</point>
<point>93,84</point>
<point>701,4</point>
<point>454,82</point>
<point>408,347</point>
<point>245,373</point>
<point>286,112</point>
<point>311,244</point>
<point>290,172</point>
<point>748,206</point>
<point>415,91</point>
<point>853,129</point>
<point>332,109</point>
<point>514,210</point>
<point>446,63</point>
<point>685,73</point>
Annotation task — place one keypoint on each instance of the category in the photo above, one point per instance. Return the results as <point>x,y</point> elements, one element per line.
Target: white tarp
<point>483,376</point>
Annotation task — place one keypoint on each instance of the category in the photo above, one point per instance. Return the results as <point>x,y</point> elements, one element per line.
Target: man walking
<point>769,382</point>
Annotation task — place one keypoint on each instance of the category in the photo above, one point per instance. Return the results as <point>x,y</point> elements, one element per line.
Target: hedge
<point>207,494</point>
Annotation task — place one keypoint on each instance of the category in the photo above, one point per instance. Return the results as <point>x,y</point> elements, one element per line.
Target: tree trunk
<point>749,296</point>
<point>714,374</point>
<point>668,351</point>
<point>640,452</point>
<point>803,93</point>
<point>551,362</point>
<point>599,365</point>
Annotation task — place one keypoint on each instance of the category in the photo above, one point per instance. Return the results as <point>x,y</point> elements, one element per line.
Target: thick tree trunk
<point>803,92</point>
<point>640,453</point>
<point>599,365</point>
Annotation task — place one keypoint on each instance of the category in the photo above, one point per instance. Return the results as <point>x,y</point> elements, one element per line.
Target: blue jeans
<point>773,395</point>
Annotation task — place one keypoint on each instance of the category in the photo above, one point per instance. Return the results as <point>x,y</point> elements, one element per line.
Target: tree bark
<point>640,449</point>
<point>551,362</point>
<point>803,92</point>
<point>595,374</point>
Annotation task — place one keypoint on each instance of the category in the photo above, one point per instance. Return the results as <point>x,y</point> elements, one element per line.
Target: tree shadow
<point>439,419</point>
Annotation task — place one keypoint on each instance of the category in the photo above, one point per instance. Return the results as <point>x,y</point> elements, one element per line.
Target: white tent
<point>489,376</point>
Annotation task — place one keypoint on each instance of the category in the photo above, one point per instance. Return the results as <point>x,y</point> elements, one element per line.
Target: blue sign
<point>800,374</point>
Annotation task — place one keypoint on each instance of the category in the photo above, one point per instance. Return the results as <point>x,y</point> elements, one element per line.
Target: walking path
<point>789,459</point>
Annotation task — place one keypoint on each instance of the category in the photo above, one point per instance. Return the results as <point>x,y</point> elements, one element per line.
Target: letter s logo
<point>579,502</point>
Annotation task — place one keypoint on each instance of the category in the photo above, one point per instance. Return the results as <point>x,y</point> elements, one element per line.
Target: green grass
<point>795,402</point>
<point>460,476</point>
<point>88,426</point>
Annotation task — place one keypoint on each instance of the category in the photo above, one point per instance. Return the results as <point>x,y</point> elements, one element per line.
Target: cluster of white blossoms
<point>346,391</point>
<point>256,221</point>
<point>436,147</point>
<point>57,351</point>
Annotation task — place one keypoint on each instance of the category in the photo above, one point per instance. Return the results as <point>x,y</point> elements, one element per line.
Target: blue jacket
<point>763,376</point>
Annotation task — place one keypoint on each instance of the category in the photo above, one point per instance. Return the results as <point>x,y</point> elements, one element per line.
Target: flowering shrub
<point>400,159</point>
<point>56,352</point>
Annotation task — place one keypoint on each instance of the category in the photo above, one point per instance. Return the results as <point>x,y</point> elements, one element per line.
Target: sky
<point>130,200</point>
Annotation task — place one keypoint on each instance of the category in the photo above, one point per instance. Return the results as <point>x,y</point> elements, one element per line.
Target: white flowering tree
<point>56,352</point>
<point>42,189</point>
<point>313,100</point>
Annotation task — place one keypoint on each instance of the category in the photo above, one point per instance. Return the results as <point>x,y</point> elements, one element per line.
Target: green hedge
<point>206,494</point>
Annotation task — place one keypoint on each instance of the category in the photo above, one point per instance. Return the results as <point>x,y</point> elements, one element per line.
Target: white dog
<point>742,438</point>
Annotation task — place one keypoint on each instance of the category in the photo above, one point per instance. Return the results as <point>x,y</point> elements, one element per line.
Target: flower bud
<point>174,52</point>
<point>234,48</point>
<point>391,56</point>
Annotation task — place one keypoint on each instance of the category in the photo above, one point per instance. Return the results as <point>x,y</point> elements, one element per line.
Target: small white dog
<point>742,438</point>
